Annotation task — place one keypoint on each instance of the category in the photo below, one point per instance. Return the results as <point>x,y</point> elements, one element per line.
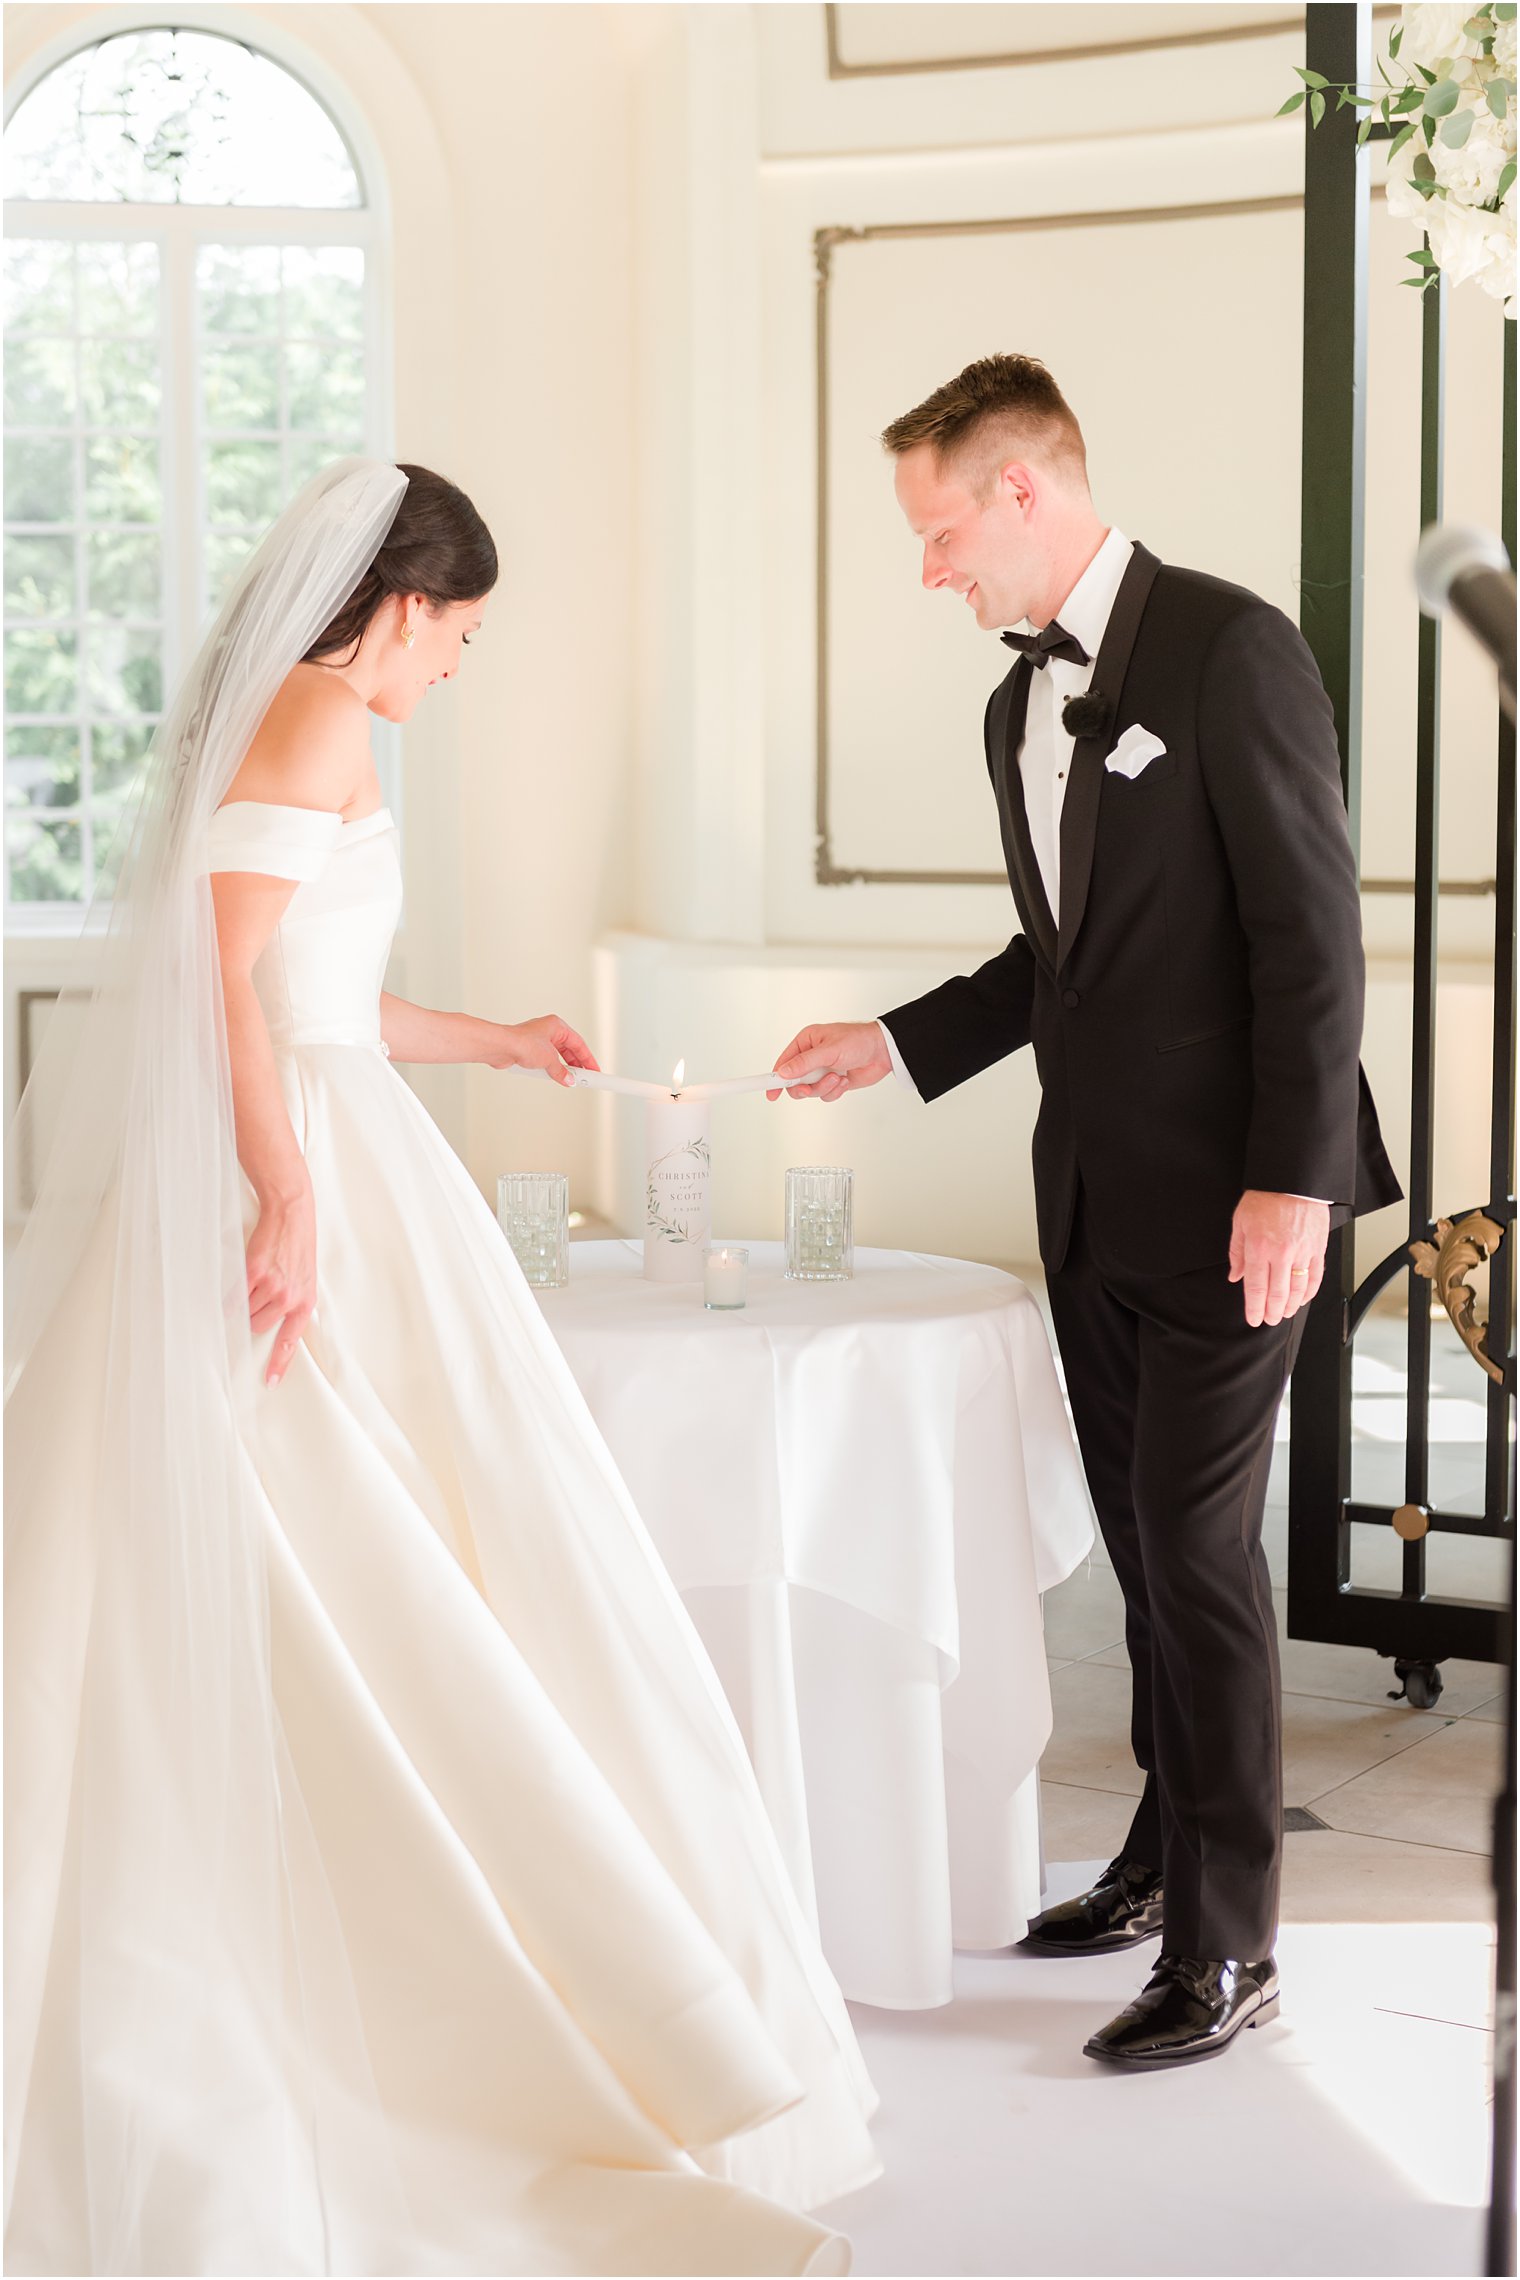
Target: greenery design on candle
<point>673,1230</point>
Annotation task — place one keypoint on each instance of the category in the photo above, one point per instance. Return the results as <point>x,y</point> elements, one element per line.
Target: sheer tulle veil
<point>217,2053</point>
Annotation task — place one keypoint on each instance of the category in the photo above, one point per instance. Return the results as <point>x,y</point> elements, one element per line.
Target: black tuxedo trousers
<point>1175,1398</point>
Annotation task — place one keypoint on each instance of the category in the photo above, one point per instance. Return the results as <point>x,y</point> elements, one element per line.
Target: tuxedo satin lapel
<point>1079,810</point>
<point>1008,783</point>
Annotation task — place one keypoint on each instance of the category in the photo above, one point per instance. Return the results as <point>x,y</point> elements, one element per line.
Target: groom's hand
<point>855,1052</point>
<point>1277,1249</point>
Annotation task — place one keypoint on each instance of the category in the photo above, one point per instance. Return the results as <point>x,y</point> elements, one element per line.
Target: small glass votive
<point>533,1210</point>
<point>820,1240</point>
<point>725,1277</point>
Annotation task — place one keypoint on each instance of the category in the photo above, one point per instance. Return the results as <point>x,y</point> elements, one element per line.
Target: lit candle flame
<point>678,1076</point>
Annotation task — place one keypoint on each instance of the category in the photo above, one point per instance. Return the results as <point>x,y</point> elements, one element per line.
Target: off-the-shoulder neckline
<point>327,815</point>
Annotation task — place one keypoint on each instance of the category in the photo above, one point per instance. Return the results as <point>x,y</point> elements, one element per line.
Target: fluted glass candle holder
<point>533,1209</point>
<point>820,1237</point>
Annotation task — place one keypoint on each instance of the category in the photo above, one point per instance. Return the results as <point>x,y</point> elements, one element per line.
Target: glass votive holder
<point>820,1239</point>
<point>725,1277</point>
<point>533,1210</point>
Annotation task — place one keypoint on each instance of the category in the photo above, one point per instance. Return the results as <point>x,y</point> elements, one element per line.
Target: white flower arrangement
<point>1451,162</point>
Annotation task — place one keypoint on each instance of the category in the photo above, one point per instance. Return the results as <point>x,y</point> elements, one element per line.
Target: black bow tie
<point>1051,641</point>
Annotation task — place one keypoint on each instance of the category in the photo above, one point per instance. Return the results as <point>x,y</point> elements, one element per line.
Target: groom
<point>1189,970</point>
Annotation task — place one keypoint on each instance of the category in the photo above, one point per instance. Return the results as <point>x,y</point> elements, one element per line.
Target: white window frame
<point>179,232</point>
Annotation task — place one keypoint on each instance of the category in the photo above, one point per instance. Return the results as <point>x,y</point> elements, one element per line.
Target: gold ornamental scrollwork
<point>824,242</point>
<point>1460,1246</point>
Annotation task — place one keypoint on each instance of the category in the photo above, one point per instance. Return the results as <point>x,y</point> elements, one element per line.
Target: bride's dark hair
<point>437,547</point>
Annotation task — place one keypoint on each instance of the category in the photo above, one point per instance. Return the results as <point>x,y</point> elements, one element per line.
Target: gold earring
<point>408,636</point>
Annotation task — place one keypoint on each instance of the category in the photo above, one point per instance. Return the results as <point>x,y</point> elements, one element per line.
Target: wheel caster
<point>1419,1684</point>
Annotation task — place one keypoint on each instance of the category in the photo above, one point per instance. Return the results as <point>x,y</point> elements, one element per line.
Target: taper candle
<point>768,1081</point>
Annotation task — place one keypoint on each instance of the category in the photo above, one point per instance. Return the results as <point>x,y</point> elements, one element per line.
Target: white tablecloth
<point>861,1490</point>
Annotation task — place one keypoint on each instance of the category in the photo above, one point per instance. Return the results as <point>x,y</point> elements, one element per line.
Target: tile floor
<point>1350,2137</point>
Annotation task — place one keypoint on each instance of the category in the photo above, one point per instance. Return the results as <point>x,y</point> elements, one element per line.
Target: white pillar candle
<point>725,1275</point>
<point>677,1202</point>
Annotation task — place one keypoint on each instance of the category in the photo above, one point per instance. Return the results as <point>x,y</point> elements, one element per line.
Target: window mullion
<point>262,225</point>
<point>184,520</point>
<point>282,380</point>
<point>81,602</point>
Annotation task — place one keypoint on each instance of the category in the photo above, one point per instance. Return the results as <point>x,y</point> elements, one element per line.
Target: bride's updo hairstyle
<point>437,547</point>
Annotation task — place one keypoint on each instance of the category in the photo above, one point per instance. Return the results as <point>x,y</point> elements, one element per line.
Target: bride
<point>387,1889</point>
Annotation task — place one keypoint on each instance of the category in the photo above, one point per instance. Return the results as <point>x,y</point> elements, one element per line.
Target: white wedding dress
<point>601,2035</point>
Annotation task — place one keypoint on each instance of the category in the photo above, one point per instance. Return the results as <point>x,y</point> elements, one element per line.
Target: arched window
<point>190,330</point>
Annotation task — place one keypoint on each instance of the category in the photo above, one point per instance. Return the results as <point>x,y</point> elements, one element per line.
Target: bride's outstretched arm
<point>416,1033</point>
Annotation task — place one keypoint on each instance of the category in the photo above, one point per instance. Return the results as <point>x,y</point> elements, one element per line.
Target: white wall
<point>533,105</point>
<point>1179,345</point>
<point>605,299</point>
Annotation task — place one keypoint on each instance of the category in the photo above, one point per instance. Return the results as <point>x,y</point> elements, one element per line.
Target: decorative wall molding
<point>828,871</point>
<point>26,1054</point>
<point>26,1044</point>
<point>1210,36</point>
<point>1478,887</point>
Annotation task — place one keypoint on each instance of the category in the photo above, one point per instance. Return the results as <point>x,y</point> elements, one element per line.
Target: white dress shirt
<point>1045,758</point>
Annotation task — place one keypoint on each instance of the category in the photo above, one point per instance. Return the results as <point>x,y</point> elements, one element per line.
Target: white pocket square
<point>1135,750</point>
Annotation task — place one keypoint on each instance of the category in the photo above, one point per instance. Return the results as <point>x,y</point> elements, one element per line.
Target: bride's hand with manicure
<point>282,1275</point>
<point>546,1043</point>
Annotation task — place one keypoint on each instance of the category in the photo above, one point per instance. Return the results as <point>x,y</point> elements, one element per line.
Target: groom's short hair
<point>998,407</point>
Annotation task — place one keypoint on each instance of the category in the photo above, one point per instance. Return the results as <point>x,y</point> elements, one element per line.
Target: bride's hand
<point>547,1043</point>
<point>282,1276</point>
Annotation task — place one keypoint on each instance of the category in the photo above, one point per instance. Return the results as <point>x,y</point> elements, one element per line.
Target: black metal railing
<point>1418,1629</point>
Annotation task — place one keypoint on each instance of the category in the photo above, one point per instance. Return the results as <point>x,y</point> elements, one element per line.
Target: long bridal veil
<point>144,1762</point>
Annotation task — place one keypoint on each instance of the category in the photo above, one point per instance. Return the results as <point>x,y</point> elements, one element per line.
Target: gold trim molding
<point>1215,36</point>
<point>1481,888</point>
<point>26,1054</point>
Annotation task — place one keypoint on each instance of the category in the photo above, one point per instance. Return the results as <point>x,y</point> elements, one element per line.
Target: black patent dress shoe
<point>1123,1907</point>
<point>1190,2010</point>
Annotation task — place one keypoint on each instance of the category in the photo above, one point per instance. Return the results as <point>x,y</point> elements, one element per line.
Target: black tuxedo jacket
<point>1196,1005</point>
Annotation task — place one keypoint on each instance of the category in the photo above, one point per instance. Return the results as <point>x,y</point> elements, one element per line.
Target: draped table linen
<point>861,1490</point>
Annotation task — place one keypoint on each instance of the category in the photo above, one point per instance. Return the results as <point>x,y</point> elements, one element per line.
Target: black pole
<point>1427,841</point>
<point>1500,1497</point>
<point>1339,47</point>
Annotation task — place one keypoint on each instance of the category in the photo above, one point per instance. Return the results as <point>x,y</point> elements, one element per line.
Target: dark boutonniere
<point>1087,715</point>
